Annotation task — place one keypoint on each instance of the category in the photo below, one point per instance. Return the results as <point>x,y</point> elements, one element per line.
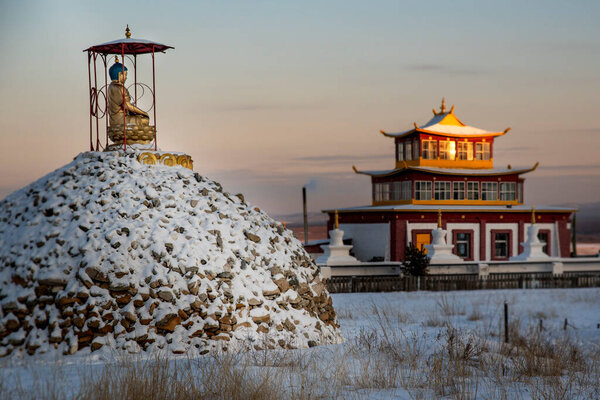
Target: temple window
<point>376,192</point>
<point>463,244</point>
<point>501,244</point>
<point>408,151</point>
<point>385,191</point>
<point>416,149</point>
<point>422,190</point>
<point>400,149</point>
<point>489,191</point>
<point>472,190</point>
<point>458,190</point>
<point>402,190</point>
<point>482,151</point>
<point>465,151</point>
<point>447,150</point>
<point>429,149</point>
<point>507,191</point>
<point>441,190</point>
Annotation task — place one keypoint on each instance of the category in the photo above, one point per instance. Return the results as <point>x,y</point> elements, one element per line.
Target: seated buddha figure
<point>120,110</point>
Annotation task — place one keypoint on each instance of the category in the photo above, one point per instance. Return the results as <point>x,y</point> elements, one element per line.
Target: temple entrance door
<point>423,239</point>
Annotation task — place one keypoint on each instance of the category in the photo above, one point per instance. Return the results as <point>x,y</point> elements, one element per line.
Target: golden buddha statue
<point>120,110</point>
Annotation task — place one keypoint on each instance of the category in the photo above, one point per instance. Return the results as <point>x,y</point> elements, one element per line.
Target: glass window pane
<point>400,151</point>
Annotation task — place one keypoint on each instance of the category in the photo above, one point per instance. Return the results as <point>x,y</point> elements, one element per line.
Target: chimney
<point>305,215</point>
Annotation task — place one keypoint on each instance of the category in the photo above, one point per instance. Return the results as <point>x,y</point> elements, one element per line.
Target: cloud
<point>570,166</point>
<point>445,69</point>
<point>262,107</point>
<point>342,157</point>
<point>514,149</point>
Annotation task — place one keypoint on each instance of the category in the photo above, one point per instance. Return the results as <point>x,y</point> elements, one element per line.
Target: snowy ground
<point>398,345</point>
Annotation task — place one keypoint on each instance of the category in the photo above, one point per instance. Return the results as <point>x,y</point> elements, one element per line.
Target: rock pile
<point>107,253</point>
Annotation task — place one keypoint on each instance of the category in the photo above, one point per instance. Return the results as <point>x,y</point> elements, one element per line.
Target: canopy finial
<point>443,107</point>
<point>127,32</point>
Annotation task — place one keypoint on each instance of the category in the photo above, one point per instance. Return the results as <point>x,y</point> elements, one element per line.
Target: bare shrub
<point>434,320</point>
<point>475,314</point>
<point>449,308</point>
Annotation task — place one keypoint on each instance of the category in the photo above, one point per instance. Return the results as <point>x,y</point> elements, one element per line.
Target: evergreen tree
<point>416,261</point>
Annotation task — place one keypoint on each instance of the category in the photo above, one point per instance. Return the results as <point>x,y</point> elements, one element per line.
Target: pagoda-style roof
<point>446,171</point>
<point>445,123</point>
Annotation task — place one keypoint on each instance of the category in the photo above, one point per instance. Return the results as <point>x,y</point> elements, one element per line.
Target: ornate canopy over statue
<point>124,121</point>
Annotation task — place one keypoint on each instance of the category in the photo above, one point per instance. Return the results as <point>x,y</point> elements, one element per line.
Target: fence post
<point>505,323</point>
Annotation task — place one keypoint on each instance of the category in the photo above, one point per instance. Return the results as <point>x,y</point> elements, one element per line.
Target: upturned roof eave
<point>430,132</point>
<point>447,171</point>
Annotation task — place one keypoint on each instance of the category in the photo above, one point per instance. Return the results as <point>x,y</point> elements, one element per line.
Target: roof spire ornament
<point>443,107</point>
<point>439,218</point>
<point>337,221</point>
<point>127,32</point>
<point>532,215</point>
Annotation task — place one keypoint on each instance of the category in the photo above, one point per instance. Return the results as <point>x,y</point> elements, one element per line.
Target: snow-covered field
<point>416,345</point>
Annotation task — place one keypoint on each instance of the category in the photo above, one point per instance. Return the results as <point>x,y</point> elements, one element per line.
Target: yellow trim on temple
<point>447,202</point>
<point>463,164</point>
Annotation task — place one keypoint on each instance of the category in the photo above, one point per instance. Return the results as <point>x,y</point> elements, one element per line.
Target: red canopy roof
<point>129,46</point>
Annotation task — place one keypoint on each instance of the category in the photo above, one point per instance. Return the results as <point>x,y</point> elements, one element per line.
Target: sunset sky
<point>268,96</point>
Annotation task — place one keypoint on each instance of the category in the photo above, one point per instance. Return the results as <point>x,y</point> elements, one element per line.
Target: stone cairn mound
<point>106,253</point>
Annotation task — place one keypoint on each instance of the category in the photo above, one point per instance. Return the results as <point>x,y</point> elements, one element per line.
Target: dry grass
<point>454,363</point>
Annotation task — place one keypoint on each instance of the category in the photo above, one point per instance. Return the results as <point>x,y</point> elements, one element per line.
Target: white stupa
<point>532,247</point>
<point>439,251</point>
<point>336,252</point>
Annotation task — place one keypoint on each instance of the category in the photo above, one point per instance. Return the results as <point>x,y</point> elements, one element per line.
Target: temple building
<point>445,165</point>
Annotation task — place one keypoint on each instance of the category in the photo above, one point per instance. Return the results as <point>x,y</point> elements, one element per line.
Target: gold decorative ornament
<point>166,159</point>
<point>127,32</point>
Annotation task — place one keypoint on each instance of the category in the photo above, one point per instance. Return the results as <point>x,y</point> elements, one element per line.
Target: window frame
<point>446,151</point>
<point>504,193</point>
<point>493,234</point>
<point>483,149</point>
<point>400,151</point>
<point>418,191</point>
<point>471,234</point>
<point>408,151</point>
<point>454,191</point>
<point>468,151</point>
<point>476,184</point>
<point>428,153</point>
<point>446,190</point>
<point>485,184</point>
<point>416,149</point>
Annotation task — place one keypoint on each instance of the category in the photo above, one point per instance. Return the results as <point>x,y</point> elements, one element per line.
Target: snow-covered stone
<point>108,253</point>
